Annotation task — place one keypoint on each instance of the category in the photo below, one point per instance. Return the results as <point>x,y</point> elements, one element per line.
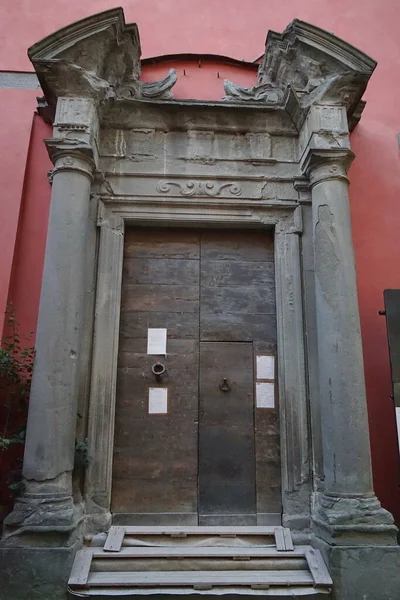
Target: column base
<point>44,516</point>
<point>352,520</point>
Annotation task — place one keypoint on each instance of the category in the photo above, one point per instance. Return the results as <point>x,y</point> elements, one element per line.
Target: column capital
<point>72,155</point>
<point>323,164</point>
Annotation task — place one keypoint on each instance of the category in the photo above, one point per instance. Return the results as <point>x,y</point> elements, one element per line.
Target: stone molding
<point>286,219</point>
<point>306,65</point>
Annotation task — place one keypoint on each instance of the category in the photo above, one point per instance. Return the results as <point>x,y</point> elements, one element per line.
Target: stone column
<point>50,439</point>
<point>348,505</point>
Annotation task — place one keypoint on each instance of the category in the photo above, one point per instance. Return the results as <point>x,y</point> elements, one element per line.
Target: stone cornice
<point>97,57</point>
<point>306,65</point>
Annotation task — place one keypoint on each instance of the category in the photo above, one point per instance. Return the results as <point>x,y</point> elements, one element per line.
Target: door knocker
<point>224,385</point>
<point>158,370</point>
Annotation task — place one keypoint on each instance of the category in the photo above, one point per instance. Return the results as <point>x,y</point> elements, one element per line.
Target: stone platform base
<point>358,572</point>
<point>363,572</point>
<point>35,573</point>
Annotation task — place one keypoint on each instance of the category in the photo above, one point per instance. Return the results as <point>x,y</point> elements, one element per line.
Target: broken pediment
<point>306,65</point>
<point>96,57</point>
<point>99,57</point>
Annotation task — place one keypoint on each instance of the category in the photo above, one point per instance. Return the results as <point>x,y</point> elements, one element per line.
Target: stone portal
<point>274,158</point>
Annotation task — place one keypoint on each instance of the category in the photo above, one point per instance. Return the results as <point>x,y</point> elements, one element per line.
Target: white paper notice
<point>265,395</point>
<point>158,401</point>
<point>265,367</point>
<point>157,341</point>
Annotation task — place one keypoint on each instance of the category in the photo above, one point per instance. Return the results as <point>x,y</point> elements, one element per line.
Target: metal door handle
<point>224,385</point>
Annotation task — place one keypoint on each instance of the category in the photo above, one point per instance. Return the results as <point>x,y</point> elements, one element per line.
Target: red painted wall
<point>16,108</point>
<point>235,28</point>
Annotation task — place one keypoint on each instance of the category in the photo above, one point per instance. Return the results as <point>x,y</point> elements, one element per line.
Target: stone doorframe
<point>287,223</point>
<point>89,73</point>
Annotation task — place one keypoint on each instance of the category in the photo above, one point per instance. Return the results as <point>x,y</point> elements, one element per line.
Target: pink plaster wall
<point>16,108</point>
<point>28,260</point>
<point>236,28</point>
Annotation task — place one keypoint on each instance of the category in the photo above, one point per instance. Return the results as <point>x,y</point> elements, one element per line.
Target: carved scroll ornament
<point>199,188</point>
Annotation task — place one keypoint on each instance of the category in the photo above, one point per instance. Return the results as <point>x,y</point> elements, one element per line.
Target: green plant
<point>16,364</point>
<point>82,458</point>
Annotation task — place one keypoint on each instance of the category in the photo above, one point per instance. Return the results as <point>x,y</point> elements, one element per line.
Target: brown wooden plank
<point>152,242</point>
<point>318,568</point>
<point>114,539</point>
<point>158,496</point>
<point>161,271</point>
<point>236,273</point>
<point>180,354</point>
<point>226,327</point>
<point>180,325</point>
<point>165,298</point>
<point>192,578</point>
<point>81,567</point>
<point>155,444</point>
<point>238,299</point>
<point>242,245</point>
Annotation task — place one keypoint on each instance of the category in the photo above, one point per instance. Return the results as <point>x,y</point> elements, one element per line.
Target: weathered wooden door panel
<point>237,300</point>
<point>226,431</point>
<point>268,456</point>
<point>214,452</point>
<point>156,455</point>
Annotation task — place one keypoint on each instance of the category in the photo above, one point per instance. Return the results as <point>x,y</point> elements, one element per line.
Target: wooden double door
<point>198,444</point>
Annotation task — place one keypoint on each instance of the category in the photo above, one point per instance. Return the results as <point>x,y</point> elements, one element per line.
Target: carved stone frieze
<point>304,65</point>
<point>97,57</point>
<point>199,188</point>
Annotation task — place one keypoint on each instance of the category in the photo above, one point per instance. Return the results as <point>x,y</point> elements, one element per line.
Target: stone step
<point>200,579</point>
<point>154,560</point>
<point>200,551</point>
<point>128,535</point>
